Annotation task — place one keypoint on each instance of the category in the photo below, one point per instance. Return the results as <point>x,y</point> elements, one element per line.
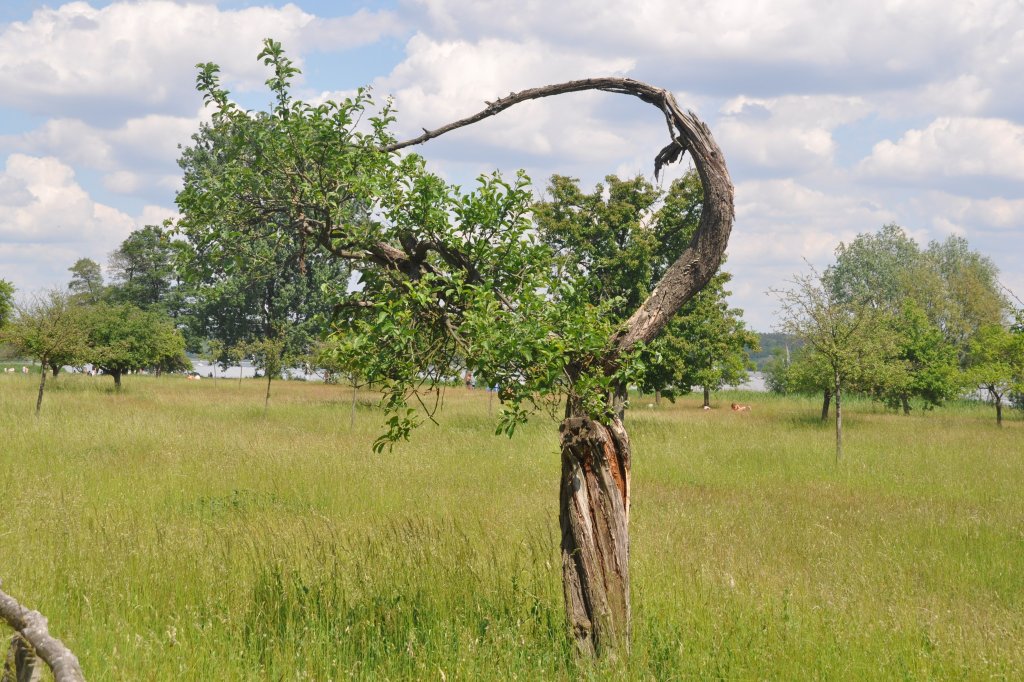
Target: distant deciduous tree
<point>143,271</point>
<point>707,344</point>
<point>853,340</point>
<point>123,338</point>
<point>256,278</point>
<point>6,301</point>
<point>995,362</point>
<point>86,283</point>
<point>616,243</point>
<point>50,329</point>
<point>937,299</point>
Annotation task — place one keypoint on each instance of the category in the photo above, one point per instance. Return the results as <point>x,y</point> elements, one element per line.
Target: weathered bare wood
<point>20,664</point>
<point>33,627</point>
<point>594,518</point>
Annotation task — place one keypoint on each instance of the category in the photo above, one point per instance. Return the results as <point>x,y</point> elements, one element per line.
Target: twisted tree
<point>448,277</point>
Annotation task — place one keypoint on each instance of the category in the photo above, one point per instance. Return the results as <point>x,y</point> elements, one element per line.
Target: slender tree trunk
<point>239,375</point>
<point>117,379</point>
<point>266,400</point>
<point>657,397</point>
<point>825,401</point>
<point>355,391</point>
<point>490,401</point>
<point>42,385</point>
<point>839,418</point>
<point>707,397</point>
<point>999,409</point>
<point>594,515</point>
<point>906,404</point>
<point>619,401</point>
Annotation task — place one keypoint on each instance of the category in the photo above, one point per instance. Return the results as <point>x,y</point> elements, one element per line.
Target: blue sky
<point>835,118</point>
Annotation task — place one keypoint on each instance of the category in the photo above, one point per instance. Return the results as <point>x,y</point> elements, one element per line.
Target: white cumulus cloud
<point>950,147</point>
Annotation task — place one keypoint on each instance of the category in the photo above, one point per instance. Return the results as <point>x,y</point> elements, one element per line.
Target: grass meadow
<point>173,532</point>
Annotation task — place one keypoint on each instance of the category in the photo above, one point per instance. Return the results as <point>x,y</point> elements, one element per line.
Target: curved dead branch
<point>700,260</point>
<point>32,626</point>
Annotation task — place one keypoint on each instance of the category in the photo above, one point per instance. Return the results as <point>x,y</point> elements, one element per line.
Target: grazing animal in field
<point>736,407</point>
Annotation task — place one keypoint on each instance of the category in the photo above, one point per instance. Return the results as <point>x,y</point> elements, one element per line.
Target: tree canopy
<point>86,283</point>
<point>123,338</point>
<point>618,241</point>
<point>50,329</point>
<point>6,301</point>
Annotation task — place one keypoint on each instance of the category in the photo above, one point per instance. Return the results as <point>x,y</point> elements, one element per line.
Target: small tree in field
<point>853,341</point>
<point>50,329</point>
<point>268,355</point>
<point>449,276</point>
<point>123,338</point>
<point>995,362</point>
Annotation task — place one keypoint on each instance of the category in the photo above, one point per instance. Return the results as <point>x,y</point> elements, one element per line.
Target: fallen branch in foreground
<point>33,630</point>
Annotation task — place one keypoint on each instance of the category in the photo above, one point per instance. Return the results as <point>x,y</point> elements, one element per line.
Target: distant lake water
<point>754,383</point>
<point>207,370</point>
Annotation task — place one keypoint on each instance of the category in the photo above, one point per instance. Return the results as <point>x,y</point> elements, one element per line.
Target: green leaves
<point>448,279</point>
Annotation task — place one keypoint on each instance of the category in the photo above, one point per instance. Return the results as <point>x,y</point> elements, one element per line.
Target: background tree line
<point>903,324</point>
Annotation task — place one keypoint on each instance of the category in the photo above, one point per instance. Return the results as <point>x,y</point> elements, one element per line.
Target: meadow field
<point>173,532</point>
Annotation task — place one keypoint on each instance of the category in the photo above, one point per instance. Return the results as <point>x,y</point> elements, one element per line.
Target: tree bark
<point>906,404</point>
<point>999,411</point>
<point>42,385</point>
<point>707,397</point>
<point>55,369</point>
<point>826,400</point>
<point>657,397</point>
<point>117,378</point>
<point>594,517</point>
<point>32,626</point>
<point>266,400</point>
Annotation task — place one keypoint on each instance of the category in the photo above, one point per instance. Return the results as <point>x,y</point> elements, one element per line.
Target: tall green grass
<point>171,531</point>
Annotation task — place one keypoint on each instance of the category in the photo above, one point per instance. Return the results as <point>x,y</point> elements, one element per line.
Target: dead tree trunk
<point>594,516</point>
<point>33,639</point>
<point>595,452</point>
